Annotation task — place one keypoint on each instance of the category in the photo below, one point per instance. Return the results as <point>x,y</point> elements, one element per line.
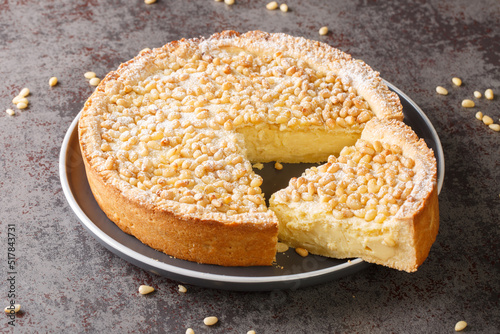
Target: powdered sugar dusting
<point>163,102</point>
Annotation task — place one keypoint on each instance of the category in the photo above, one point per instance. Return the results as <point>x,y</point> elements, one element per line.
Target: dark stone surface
<point>68,283</point>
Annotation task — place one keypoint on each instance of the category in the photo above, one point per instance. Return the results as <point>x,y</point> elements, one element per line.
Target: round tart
<point>169,138</point>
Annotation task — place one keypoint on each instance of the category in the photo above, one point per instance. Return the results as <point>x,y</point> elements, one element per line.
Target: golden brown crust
<point>425,226</point>
<point>421,209</point>
<point>189,231</point>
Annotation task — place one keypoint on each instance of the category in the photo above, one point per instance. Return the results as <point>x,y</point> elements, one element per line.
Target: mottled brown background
<point>68,283</point>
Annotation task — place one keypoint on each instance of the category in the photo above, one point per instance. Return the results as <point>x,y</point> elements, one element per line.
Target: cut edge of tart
<point>167,138</point>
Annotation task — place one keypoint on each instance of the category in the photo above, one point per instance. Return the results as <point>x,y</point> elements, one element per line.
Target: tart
<point>377,200</point>
<point>169,138</point>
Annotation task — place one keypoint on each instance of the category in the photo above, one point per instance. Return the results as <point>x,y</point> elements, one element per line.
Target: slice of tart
<point>169,138</point>
<point>377,200</point>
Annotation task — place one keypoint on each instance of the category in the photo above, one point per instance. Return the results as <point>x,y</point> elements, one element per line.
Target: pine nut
<point>89,75</point>
<point>182,289</point>
<point>323,31</point>
<point>477,94</point>
<point>284,7</point>
<point>489,94</point>
<point>257,182</point>
<point>145,289</point>
<point>210,321</point>
<point>495,127</point>
<point>19,99</point>
<point>479,115</point>
<point>229,2</point>
<point>22,105</point>
<point>487,120</point>
<point>24,92</point>
<point>149,2</point>
<point>441,90</point>
<point>370,215</point>
<point>468,103</point>
<point>457,81</point>
<point>272,5</point>
<point>10,112</point>
<point>251,332</point>
<point>17,308</point>
<point>301,251</point>
<point>281,247</point>
<point>190,330</point>
<point>52,81</point>
<point>94,81</point>
<point>460,326</point>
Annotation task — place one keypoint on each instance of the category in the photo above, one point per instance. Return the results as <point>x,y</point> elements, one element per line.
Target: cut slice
<point>377,201</point>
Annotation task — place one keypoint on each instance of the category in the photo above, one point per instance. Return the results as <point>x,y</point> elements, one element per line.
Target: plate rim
<point>122,250</point>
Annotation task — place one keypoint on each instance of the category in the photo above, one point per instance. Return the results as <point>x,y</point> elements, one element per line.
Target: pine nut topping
<point>229,2</point>
<point>52,81</point>
<point>323,31</point>
<point>272,5</point>
<point>441,90</point>
<point>94,81</point>
<point>479,115</point>
<point>153,133</point>
<point>145,289</point>
<point>210,321</point>
<point>477,94</point>
<point>89,75</point>
<point>257,182</point>
<point>489,94</point>
<point>10,112</point>
<point>301,251</point>
<point>251,332</point>
<point>456,81</point>
<point>149,2</point>
<point>468,103</point>
<point>190,330</point>
<point>460,326</point>
<point>284,7</point>
<point>364,186</point>
<point>182,288</point>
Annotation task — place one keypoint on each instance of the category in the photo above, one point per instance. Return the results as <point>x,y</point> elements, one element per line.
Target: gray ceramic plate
<point>290,272</point>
